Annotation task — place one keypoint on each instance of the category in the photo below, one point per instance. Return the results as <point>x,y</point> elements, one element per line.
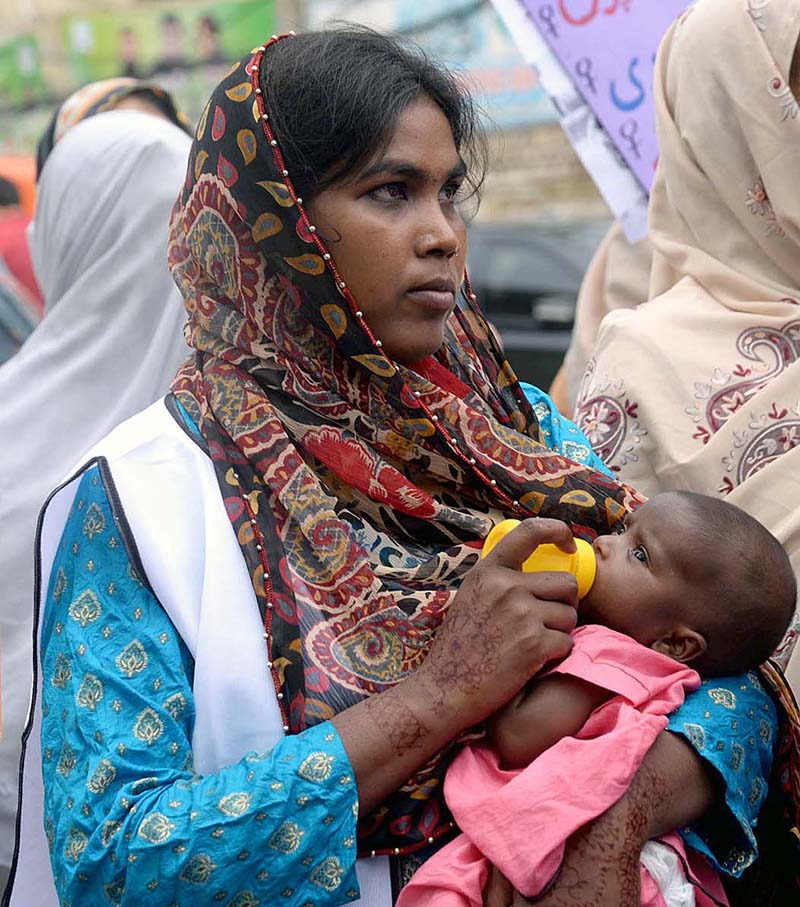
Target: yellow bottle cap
<point>582,563</point>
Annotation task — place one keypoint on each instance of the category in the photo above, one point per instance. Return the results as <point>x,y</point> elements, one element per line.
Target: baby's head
<point>697,579</point>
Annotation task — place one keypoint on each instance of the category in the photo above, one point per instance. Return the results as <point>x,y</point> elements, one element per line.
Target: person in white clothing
<point>111,338</point>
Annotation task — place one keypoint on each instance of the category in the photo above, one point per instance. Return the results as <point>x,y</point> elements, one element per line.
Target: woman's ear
<point>682,643</point>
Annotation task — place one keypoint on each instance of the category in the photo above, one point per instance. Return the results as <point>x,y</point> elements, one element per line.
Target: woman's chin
<point>419,343</point>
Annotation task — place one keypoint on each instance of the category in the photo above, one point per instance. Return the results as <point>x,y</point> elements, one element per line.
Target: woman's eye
<point>640,553</point>
<point>390,192</point>
<point>620,528</point>
<point>453,193</point>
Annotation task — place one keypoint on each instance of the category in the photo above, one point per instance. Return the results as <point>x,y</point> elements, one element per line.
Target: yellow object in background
<point>582,563</point>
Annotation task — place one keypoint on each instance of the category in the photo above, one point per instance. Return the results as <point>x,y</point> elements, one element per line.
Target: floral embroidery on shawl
<point>782,91</point>
<point>609,419</point>
<point>352,505</point>
<point>758,203</point>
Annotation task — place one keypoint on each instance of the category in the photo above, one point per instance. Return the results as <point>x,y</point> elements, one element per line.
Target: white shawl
<point>110,341</point>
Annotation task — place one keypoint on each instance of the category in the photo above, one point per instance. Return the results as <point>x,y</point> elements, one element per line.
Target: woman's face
<point>397,236</point>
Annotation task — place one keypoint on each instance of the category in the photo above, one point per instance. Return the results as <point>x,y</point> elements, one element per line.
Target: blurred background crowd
<point>541,216</point>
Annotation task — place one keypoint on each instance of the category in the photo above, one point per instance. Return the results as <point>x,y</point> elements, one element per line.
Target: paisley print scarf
<point>357,487</point>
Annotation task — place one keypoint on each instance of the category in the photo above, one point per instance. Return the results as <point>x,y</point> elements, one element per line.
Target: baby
<point>689,586</point>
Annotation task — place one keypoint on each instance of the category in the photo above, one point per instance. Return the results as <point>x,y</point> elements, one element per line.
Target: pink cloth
<point>520,820</point>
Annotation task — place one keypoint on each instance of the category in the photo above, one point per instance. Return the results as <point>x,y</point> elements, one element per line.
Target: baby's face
<point>641,587</point>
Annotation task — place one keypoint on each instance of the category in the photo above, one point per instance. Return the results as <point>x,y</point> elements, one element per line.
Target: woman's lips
<point>435,300</point>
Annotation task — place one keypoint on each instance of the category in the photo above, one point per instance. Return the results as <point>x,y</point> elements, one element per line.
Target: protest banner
<point>596,59</point>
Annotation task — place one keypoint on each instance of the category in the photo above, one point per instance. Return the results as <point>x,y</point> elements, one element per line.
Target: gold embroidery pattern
<point>756,791</point>
<point>316,767</point>
<point>76,844</point>
<point>149,727</point>
<point>175,706</point>
<point>94,522</point>
<point>725,698</point>
<point>90,692</point>
<point>86,608</point>
<point>244,899</point>
<point>144,784</point>
<point>198,870</point>
<point>115,891</point>
<point>62,672</point>
<point>156,829</point>
<point>235,804</point>
<point>287,838</point>
<point>66,761</point>
<point>697,735</point>
<point>101,777</point>
<point>60,585</point>
<point>132,574</point>
<point>132,660</point>
<point>110,828</point>
<point>328,874</point>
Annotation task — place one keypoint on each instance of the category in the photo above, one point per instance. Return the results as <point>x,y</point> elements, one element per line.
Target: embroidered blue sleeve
<point>561,434</point>
<point>732,723</point>
<point>128,820</point>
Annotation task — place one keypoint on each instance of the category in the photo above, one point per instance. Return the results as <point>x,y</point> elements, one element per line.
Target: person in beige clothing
<point>618,277</point>
<point>699,389</point>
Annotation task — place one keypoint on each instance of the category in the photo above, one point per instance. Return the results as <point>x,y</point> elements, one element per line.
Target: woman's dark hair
<point>334,97</point>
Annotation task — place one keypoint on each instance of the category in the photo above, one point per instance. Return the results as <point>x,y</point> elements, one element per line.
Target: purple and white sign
<point>608,47</point>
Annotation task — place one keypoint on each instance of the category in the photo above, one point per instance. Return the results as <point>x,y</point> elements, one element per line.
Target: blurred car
<point>526,278</point>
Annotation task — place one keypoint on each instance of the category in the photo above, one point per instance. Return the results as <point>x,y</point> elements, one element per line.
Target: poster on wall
<point>144,43</point>
<point>469,38</point>
<point>185,48</point>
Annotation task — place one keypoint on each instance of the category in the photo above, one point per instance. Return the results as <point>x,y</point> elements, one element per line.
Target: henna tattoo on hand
<point>460,665</point>
<point>403,729</point>
<point>601,862</point>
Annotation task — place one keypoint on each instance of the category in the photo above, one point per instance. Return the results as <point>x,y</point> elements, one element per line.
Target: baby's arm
<point>541,714</point>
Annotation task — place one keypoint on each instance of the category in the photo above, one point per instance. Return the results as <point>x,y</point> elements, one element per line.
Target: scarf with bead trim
<point>355,485</point>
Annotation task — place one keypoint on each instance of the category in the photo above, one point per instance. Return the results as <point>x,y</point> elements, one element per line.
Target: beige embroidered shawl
<point>618,277</point>
<point>699,388</point>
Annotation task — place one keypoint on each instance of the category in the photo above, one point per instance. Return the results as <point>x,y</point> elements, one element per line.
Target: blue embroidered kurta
<point>560,433</point>
<point>732,723</point>
<point>127,819</point>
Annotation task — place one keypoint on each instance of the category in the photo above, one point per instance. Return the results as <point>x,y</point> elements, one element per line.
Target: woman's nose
<point>439,232</point>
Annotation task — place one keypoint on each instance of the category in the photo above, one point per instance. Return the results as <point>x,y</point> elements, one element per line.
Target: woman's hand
<point>673,788</point>
<point>502,627</point>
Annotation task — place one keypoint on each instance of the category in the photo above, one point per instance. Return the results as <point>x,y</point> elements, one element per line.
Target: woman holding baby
<point>262,618</point>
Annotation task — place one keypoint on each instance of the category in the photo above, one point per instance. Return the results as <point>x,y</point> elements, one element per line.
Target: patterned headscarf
<point>99,97</point>
<point>357,488</point>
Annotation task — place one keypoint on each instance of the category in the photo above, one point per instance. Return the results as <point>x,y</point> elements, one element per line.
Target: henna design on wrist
<point>404,731</point>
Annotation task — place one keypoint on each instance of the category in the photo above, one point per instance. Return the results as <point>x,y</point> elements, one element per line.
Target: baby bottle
<point>582,563</point>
